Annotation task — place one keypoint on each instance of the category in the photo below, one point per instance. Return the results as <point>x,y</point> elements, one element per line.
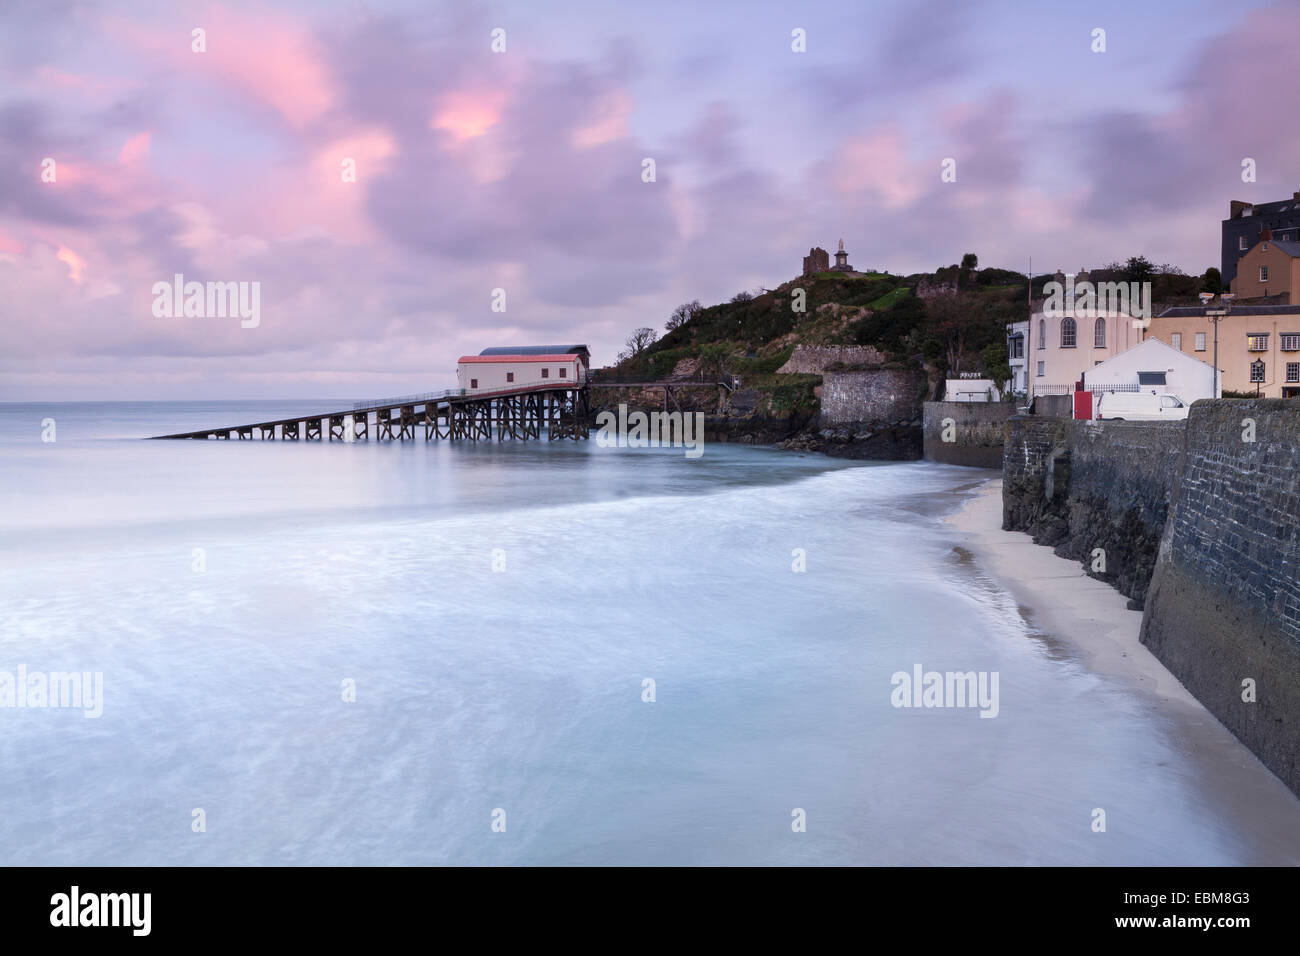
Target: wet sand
<point>1091,620</point>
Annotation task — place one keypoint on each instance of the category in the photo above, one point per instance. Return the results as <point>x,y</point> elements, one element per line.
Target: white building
<point>1060,348</point>
<point>1157,367</point>
<point>1017,332</point>
<point>522,367</point>
<point>971,390</point>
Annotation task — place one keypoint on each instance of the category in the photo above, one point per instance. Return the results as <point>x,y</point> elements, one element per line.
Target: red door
<point>1083,405</point>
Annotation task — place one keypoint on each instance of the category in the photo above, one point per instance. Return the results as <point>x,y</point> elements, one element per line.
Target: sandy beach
<point>1091,621</point>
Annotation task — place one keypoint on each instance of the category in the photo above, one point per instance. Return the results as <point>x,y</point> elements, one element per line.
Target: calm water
<point>521,688</point>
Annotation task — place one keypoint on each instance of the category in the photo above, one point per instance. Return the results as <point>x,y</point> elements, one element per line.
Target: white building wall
<point>1186,377</point>
<point>495,376</point>
<point>1063,365</point>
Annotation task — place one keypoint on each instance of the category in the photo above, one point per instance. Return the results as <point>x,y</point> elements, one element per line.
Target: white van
<point>1141,407</point>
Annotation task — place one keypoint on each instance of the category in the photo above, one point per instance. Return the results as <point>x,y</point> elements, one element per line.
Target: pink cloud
<point>469,113</point>
<point>135,151</point>
<point>76,265</point>
<point>609,123</point>
<point>876,163</point>
<point>265,56</point>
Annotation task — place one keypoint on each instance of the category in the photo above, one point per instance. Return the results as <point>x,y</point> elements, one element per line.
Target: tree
<point>1212,281</point>
<point>639,341</point>
<point>742,297</point>
<point>1138,269</point>
<point>996,366</point>
<point>683,314</point>
<point>969,262</point>
<point>955,319</point>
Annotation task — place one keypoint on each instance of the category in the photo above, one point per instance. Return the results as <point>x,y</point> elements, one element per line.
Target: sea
<point>538,653</point>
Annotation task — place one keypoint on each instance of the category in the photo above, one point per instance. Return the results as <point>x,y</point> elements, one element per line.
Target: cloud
<point>523,171</point>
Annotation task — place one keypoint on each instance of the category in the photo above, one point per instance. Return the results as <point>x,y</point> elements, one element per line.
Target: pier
<point>551,409</point>
<point>554,409</point>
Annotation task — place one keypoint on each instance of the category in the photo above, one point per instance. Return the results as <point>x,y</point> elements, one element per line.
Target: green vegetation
<point>889,299</point>
<point>949,321</point>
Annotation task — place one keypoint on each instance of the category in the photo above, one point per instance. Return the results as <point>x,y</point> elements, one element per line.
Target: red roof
<point>492,359</point>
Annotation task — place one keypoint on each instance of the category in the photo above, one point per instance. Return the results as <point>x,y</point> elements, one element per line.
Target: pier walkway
<point>554,408</point>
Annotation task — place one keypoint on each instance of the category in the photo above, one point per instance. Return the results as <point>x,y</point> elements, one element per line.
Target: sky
<point>128,156</point>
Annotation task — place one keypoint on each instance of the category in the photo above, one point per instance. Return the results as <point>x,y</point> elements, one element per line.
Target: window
<point>1293,371</point>
<point>1290,341</point>
<point>1042,335</point>
<point>1241,244</point>
<point>1168,401</point>
<point>1176,340</point>
<point>1200,341</point>
<point>1152,378</point>
<point>1257,342</point>
<point>473,383</point>
<point>563,372</point>
<point>1017,346</point>
<point>546,373</point>
<point>1099,334</point>
<point>1040,369</point>
<point>510,376</point>
<point>1257,371</point>
<point>1068,333</point>
<point>1263,273</point>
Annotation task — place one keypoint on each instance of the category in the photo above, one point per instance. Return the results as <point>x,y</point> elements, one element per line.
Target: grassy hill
<point>752,336</point>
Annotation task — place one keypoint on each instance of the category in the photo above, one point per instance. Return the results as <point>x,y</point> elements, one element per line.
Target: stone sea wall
<point>975,437</point>
<point>872,395</point>
<point>1223,612</point>
<point>1096,492</point>
<point>1200,526</point>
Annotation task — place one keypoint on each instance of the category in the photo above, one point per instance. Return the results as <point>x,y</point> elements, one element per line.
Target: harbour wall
<point>1223,611</point>
<point>965,433</point>
<point>1200,527</point>
<point>872,395</point>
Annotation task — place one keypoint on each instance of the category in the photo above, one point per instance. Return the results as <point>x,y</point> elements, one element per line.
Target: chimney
<point>1266,234</point>
<point>1296,196</point>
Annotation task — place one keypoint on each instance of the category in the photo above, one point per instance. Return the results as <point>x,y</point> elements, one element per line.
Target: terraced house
<point>1244,229</point>
<point>1259,345</point>
<point>1270,268</point>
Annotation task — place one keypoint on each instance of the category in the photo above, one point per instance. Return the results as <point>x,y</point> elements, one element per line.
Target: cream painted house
<point>1062,347</point>
<point>1259,345</point>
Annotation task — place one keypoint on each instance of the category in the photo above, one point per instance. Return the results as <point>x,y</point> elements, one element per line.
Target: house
<point>515,368</point>
<point>1154,366</point>
<point>1259,345</point>
<point>1245,225</point>
<point>1270,267</point>
<point>1017,332</point>
<point>1060,348</point>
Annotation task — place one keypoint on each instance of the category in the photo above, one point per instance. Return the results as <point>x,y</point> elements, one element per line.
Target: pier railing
<point>513,387</point>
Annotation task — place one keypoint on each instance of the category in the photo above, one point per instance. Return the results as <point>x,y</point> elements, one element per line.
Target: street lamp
<point>1215,316</point>
<point>1257,374</point>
